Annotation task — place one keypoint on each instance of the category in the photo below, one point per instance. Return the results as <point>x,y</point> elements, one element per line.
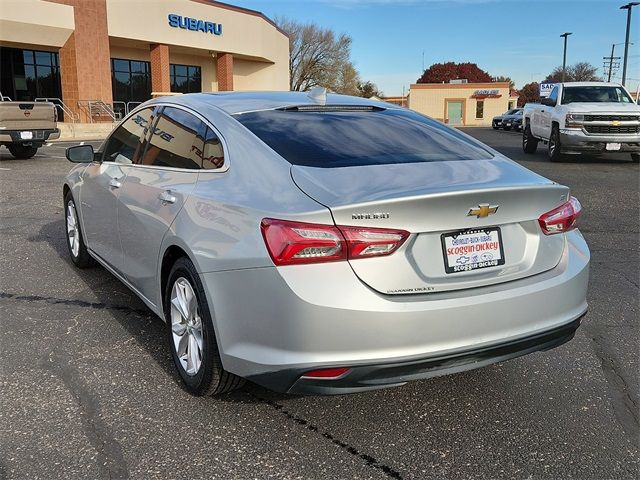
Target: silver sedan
<point>316,243</point>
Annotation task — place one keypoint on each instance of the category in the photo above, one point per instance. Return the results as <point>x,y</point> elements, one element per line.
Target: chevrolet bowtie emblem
<point>483,210</point>
<point>615,123</point>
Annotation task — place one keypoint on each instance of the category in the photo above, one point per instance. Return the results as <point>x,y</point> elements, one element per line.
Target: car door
<point>101,185</point>
<point>546,115</point>
<point>155,189</point>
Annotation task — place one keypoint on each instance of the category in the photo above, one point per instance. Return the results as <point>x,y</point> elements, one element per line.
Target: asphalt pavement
<point>87,388</point>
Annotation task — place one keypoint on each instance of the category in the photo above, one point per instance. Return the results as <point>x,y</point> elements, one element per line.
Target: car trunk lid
<point>434,201</point>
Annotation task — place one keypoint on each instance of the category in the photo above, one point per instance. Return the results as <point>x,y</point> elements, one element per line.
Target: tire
<point>22,152</point>
<point>493,125</point>
<point>554,150</point>
<point>635,157</point>
<point>75,240</point>
<point>529,142</point>
<point>191,334</point>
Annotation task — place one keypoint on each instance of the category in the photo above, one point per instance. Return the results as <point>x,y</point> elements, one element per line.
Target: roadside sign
<point>545,89</point>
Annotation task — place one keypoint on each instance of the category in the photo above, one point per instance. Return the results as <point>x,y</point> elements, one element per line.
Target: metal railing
<point>66,111</point>
<point>97,109</point>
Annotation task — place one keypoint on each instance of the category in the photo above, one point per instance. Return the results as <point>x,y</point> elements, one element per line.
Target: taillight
<point>294,243</point>
<point>561,219</point>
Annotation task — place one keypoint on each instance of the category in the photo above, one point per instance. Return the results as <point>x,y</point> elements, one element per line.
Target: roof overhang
<point>35,22</point>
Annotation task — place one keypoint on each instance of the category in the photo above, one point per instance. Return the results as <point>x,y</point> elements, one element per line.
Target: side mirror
<point>549,102</point>
<point>80,154</point>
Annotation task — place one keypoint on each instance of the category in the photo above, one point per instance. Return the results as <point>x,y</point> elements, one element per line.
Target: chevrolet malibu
<point>318,243</point>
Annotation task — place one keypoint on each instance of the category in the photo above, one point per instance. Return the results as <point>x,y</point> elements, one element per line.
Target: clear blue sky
<point>518,38</point>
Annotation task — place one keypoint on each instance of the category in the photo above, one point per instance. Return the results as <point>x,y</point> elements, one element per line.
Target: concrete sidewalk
<point>84,131</point>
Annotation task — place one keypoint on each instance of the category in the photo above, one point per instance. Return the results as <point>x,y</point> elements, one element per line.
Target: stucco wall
<point>430,99</point>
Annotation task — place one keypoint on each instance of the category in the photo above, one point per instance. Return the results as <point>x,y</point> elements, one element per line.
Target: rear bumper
<point>273,324</point>
<point>39,135</point>
<point>576,140</point>
<point>371,377</point>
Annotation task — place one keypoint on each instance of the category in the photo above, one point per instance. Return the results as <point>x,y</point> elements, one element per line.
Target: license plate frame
<point>26,135</point>
<point>473,233</point>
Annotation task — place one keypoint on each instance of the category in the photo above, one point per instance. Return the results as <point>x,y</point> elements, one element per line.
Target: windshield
<point>339,137</point>
<point>595,93</point>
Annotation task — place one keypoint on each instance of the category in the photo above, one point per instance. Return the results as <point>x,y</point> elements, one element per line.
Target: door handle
<point>115,183</point>
<point>166,197</point>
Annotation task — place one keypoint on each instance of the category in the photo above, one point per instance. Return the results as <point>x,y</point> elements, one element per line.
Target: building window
<point>29,74</point>
<point>131,80</point>
<point>185,78</point>
<point>480,109</point>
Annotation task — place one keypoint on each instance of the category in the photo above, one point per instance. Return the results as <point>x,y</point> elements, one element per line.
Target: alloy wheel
<point>186,326</point>
<point>73,233</point>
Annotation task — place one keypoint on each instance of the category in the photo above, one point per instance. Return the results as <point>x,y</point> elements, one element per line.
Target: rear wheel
<point>77,248</point>
<point>192,338</point>
<point>22,152</point>
<point>554,150</point>
<point>529,142</point>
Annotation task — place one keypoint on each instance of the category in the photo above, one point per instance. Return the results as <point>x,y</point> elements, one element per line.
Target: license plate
<point>468,250</point>
<point>26,135</point>
<point>612,146</point>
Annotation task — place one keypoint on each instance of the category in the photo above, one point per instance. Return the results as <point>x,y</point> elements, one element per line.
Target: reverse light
<point>295,243</point>
<point>561,219</point>
<point>327,373</point>
<point>574,120</point>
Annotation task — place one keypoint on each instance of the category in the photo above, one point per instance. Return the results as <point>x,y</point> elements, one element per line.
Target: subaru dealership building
<point>89,53</point>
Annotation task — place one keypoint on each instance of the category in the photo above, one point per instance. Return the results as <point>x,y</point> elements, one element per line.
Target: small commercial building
<point>472,104</point>
<point>98,55</point>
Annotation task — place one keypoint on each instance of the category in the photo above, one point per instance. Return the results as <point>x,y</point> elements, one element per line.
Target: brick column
<point>85,65</point>
<point>160,79</point>
<point>224,71</point>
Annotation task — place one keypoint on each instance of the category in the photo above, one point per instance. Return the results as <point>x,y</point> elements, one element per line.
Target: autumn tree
<point>319,57</point>
<point>580,72</point>
<point>445,72</point>
<point>529,93</point>
<point>512,84</point>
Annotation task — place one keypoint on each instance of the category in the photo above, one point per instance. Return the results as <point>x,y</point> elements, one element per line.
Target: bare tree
<point>580,72</point>
<point>318,57</point>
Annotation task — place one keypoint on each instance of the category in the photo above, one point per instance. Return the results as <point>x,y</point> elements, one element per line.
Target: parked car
<point>497,122</point>
<point>582,117</point>
<point>513,121</point>
<point>316,243</point>
<point>26,126</point>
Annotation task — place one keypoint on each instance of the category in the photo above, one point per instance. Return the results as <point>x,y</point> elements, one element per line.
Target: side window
<point>554,94</point>
<point>177,140</point>
<point>213,155</point>
<point>126,145</point>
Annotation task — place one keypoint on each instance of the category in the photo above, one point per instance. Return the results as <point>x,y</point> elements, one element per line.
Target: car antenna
<point>318,95</point>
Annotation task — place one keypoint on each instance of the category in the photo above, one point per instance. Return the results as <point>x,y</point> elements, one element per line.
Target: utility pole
<point>628,7</point>
<point>611,63</point>
<point>564,55</point>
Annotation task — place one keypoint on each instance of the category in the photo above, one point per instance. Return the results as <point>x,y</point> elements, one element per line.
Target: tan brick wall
<point>84,59</point>
<point>160,79</point>
<point>224,69</point>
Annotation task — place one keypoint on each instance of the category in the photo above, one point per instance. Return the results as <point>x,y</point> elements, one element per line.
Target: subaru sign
<point>188,23</point>
<point>545,89</point>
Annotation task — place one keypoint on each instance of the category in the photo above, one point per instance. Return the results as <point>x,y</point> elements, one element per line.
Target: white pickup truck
<point>582,117</point>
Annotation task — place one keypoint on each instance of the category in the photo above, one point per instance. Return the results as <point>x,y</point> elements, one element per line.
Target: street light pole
<point>628,8</point>
<point>564,55</point>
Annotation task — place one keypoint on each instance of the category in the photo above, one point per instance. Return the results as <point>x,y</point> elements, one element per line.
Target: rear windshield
<point>342,138</point>
<point>595,94</point>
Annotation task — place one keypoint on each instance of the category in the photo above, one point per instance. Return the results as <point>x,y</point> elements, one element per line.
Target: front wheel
<point>529,142</point>
<point>554,152</point>
<point>192,338</point>
<point>77,248</point>
<point>22,152</point>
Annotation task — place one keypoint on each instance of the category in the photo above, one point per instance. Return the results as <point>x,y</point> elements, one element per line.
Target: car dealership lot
<point>87,388</point>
